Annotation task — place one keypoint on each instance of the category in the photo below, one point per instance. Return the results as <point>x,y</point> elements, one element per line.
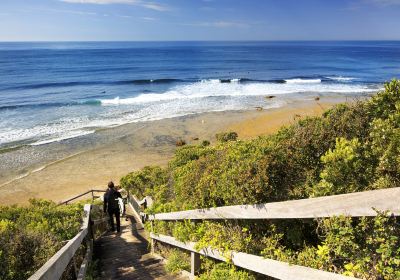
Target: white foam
<point>212,81</point>
<point>68,135</point>
<point>180,100</point>
<point>46,133</point>
<point>303,81</point>
<point>214,88</point>
<point>341,79</point>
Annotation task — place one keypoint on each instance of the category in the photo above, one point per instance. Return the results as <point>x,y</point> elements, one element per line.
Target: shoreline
<point>92,160</point>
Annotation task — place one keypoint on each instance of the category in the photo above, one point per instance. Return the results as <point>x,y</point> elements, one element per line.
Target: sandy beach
<point>64,169</point>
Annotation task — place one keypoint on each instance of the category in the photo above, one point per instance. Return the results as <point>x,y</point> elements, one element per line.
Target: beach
<point>76,115</point>
<point>225,139</point>
<point>76,165</point>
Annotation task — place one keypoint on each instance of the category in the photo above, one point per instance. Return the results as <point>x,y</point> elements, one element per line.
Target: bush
<point>143,182</point>
<point>205,143</point>
<point>224,271</point>
<point>30,235</point>
<point>177,261</point>
<point>343,169</point>
<point>351,147</point>
<point>226,136</point>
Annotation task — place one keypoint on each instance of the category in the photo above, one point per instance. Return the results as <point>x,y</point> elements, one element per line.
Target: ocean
<point>52,91</point>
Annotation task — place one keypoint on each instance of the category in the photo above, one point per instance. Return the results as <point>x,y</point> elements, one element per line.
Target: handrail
<point>273,268</point>
<point>56,265</point>
<point>354,204</point>
<point>80,195</point>
<point>133,202</point>
<point>360,204</point>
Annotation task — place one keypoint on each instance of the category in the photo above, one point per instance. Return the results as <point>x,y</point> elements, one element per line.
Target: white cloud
<point>386,2</point>
<point>145,4</point>
<point>220,24</point>
<point>149,18</point>
<point>100,2</point>
<point>83,13</point>
<point>154,6</point>
<point>229,24</point>
<point>124,16</point>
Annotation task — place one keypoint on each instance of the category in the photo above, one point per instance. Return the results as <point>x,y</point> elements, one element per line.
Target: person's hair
<point>111,184</point>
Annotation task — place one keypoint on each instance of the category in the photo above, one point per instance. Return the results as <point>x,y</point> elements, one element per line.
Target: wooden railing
<point>92,192</point>
<point>137,205</point>
<point>354,205</point>
<point>55,267</point>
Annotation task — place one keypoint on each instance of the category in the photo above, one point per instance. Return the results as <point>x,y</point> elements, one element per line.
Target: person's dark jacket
<point>111,200</point>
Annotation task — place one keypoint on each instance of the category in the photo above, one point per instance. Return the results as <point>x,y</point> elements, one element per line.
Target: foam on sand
<point>218,88</point>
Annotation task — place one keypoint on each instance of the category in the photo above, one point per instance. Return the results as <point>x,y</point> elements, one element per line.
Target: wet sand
<point>61,170</point>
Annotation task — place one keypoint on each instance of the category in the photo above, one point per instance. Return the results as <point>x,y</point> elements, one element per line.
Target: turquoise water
<point>55,91</point>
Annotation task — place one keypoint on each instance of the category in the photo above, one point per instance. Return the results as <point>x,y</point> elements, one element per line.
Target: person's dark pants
<point>112,213</point>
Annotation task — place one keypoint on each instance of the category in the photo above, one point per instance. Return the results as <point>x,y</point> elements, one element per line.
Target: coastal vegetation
<point>351,147</point>
<point>30,235</point>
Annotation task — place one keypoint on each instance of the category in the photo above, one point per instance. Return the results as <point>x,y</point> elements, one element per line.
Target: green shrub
<point>365,248</point>
<point>226,136</point>
<point>142,183</point>
<point>351,147</point>
<point>30,235</point>
<point>177,261</point>
<point>224,271</point>
<point>344,169</point>
<point>205,143</point>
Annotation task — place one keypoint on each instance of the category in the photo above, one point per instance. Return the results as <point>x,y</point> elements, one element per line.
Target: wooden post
<point>90,229</point>
<point>90,249</point>
<point>152,243</point>
<point>76,269</point>
<point>152,246</point>
<point>194,263</point>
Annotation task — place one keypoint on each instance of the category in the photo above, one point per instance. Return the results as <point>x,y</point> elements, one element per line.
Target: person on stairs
<point>111,205</point>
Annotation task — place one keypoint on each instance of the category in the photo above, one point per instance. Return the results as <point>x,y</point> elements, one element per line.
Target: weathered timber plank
<point>85,264</point>
<point>277,269</point>
<point>133,201</point>
<point>55,266</point>
<point>99,191</point>
<point>354,204</point>
<point>74,197</point>
<point>99,221</point>
<point>126,256</point>
<point>136,214</point>
<point>190,246</point>
<point>79,195</point>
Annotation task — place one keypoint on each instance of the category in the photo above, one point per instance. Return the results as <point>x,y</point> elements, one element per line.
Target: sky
<point>186,20</point>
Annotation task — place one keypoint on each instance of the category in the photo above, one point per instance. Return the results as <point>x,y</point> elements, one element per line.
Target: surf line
<point>39,169</point>
<point>53,162</point>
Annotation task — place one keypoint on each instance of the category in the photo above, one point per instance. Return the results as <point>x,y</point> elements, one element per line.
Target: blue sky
<point>142,20</point>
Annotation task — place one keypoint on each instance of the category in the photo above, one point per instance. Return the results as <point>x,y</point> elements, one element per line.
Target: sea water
<point>50,91</point>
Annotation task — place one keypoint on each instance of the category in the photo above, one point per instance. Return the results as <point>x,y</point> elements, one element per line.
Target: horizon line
<point>144,41</point>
